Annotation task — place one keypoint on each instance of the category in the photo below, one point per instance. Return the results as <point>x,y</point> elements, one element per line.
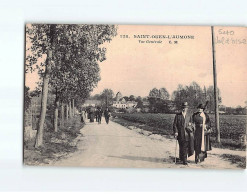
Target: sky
<point>134,68</point>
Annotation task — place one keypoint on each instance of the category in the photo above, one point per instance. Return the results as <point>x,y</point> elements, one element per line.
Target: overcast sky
<point>135,68</point>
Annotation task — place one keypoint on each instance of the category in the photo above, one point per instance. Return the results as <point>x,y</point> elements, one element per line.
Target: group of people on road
<point>192,132</point>
<point>95,113</point>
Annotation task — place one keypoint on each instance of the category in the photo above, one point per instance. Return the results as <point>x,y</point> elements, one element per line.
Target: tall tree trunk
<point>62,114</point>
<point>70,109</point>
<point>55,122</point>
<point>67,111</point>
<point>73,109</point>
<point>40,132</point>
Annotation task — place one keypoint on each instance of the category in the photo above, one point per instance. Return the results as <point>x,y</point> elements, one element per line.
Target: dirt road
<point>112,145</point>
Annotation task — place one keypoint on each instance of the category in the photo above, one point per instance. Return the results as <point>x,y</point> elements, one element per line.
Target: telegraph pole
<point>217,124</point>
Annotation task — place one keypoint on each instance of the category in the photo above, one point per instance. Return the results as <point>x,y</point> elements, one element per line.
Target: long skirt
<point>91,118</point>
<point>198,139</point>
<point>198,144</point>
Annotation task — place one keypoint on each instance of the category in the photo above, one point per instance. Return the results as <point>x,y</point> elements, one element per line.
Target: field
<point>231,126</point>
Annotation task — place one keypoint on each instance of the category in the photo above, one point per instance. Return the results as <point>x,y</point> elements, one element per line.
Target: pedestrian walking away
<point>107,115</point>
<point>96,115</point>
<point>99,113</point>
<point>91,115</point>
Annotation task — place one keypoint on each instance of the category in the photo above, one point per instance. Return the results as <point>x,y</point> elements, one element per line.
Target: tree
<point>163,94</point>
<point>126,98</point>
<point>27,99</point>
<point>210,98</point>
<point>42,38</point>
<point>139,102</point>
<point>131,98</point>
<point>84,71</point>
<point>239,110</point>
<point>66,47</point>
<point>192,94</point>
<point>154,93</point>
<point>107,96</point>
<point>95,97</point>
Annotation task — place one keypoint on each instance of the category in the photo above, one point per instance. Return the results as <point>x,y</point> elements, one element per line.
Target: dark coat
<point>179,126</point>
<point>99,113</point>
<point>184,130</point>
<point>107,114</point>
<point>197,120</point>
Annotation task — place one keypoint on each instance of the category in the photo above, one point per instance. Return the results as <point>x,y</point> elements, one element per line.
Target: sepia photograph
<point>135,96</point>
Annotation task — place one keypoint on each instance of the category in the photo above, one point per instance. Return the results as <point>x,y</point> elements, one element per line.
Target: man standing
<point>183,132</point>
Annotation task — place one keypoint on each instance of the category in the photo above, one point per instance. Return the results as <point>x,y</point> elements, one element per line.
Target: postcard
<point>135,96</point>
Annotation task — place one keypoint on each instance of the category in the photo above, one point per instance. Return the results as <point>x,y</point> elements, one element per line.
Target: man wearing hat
<point>183,132</point>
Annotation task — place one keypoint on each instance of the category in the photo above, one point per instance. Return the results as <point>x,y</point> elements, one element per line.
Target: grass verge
<point>56,144</point>
<point>235,159</point>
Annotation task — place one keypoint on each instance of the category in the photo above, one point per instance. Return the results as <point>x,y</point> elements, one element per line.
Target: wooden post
<point>217,124</point>
<point>70,109</point>
<point>73,107</point>
<point>62,114</point>
<point>55,122</point>
<point>67,111</point>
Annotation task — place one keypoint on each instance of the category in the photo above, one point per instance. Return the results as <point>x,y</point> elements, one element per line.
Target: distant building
<point>122,103</point>
<point>118,96</point>
<point>93,103</point>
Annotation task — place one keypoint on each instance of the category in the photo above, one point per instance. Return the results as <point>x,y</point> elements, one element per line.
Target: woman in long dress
<point>202,142</point>
<point>92,116</point>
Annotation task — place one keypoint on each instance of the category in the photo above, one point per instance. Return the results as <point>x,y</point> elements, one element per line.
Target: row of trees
<point>160,100</point>
<point>70,70</point>
<point>194,95</point>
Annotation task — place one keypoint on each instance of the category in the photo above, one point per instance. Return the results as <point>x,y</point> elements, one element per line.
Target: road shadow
<point>91,135</point>
<point>143,158</point>
<point>95,123</point>
<point>168,160</point>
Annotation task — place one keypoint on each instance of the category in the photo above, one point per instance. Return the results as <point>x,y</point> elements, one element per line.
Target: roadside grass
<point>154,130</point>
<point>227,143</point>
<point>56,144</point>
<point>235,159</point>
<point>160,126</point>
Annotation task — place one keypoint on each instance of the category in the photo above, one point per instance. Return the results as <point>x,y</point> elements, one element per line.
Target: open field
<point>231,126</point>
